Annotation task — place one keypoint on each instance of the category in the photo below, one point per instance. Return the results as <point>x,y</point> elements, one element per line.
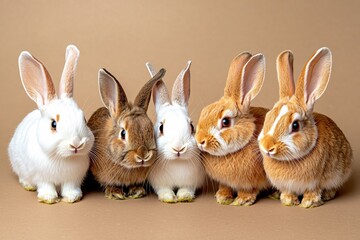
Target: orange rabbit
<point>305,153</point>
<point>227,134</point>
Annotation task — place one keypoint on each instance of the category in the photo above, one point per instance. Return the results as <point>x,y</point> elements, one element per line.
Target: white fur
<point>183,169</point>
<point>44,159</point>
<point>284,109</point>
<point>171,171</point>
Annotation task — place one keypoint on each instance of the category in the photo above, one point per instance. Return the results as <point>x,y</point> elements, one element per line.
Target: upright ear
<point>285,74</point>
<point>252,79</point>
<point>160,92</point>
<point>67,77</point>
<point>150,69</point>
<point>36,80</point>
<point>232,88</point>
<point>143,97</point>
<point>112,94</point>
<point>314,77</point>
<point>181,88</point>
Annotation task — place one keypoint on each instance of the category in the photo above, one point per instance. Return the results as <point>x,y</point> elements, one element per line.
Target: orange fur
<point>315,160</point>
<point>231,153</point>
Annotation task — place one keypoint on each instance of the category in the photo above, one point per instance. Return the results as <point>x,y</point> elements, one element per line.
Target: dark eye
<point>225,122</point>
<point>295,126</point>
<point>161,128</point>
<point>192,128</point>
<point>53,124</point>
<point>123,134</point>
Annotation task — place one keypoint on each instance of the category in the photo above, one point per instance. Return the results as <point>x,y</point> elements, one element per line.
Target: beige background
<point>122,36</point>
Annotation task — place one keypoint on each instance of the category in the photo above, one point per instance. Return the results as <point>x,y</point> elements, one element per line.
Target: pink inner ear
<point>317,77</point>
<point>36,80</point>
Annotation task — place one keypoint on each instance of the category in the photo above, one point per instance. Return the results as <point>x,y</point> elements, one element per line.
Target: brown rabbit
<point>305,153</point>
<point>124,146</point>
<point>227,134</point>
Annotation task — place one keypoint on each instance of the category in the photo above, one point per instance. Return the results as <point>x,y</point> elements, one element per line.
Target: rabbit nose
<point>142,151</point>
<point>76,144</point>
<point>268,145</point>
<point>75,141</point>
<point>178,150</point>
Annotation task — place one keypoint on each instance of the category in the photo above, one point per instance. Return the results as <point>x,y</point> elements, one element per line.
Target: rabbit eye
<point>225,122</point>
<point>192,128</point>
<point>53,125</point>
<point>123,134</point>
<point>161,128</point>
<point>295,126</point>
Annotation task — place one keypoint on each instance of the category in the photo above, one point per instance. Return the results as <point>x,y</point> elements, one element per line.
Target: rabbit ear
<point>314,77</point>
<point>143,97</point>
<point>67,77</point>
<point>150,69</point>
<point>36,79</point>
<point>181,88</point>
<point>160,95</point>
<point>252,79</point>
<point>285,74</point>
<point>112,94</point>
<point>232,88</point>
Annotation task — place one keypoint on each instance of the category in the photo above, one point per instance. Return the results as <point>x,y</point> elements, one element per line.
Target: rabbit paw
<point>311,200</point>
<point>185,195</point>
<point>27,186</point>
<point>71,196</point>
<point>136,192</point>
<point>48,198</point>
<point>328,194</point>
<point>289,199</point>
<point>244,199</point>
<point>224,196</point>
<point>167,196</point>
<point>47,193</point>
<point>115,193</point>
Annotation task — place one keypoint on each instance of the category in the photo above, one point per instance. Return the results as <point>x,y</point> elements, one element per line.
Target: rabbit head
<point>289,130</point>
<point>174,130</point>
<point>227,125</point>
<point>130,136</point>
<point>62,130</point>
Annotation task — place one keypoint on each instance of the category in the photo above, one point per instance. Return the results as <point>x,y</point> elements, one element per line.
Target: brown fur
<point>115,161</point>
<point>238,167</point>
<point>106,165</point>
<point>322,160</point>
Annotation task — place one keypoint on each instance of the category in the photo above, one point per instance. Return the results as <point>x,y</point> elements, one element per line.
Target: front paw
<point>167,196</point>
<point>136,192</point>
<point>289,199</point>
<point>28,186</point>
<point>48,198</point>
<point>244,199</point>
<point>71,196</point>
<point>224,196</point>
<point>114,193</point>
<point>185,195</point>
<point>311,200</point>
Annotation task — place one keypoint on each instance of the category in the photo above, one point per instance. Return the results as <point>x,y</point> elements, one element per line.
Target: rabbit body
<point>179,165</point>
<point>227,134</point>
<point>49,149</point>
<point>125,146</point>
<point>305,153</point>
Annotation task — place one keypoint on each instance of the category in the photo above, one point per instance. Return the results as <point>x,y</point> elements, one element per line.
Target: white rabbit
<point>178,166</point>
<point>50,147</point>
